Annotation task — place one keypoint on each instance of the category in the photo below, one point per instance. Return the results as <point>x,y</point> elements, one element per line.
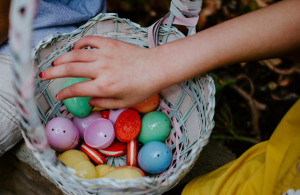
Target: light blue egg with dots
<point>154,157</point>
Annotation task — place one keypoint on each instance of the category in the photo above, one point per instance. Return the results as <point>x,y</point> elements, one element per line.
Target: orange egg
<point>147,105</point>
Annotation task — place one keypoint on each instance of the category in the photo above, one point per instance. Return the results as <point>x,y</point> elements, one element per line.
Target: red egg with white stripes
<point>93,154</point>
<point>131,157</point>
<point>117,148</point>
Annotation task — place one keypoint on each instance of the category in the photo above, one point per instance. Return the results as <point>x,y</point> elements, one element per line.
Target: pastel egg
<point>123,173</point>
<point>103,169</point>
<point>113,114</point>
<point>154,157</point>
<point>72,157</point>
<point>62,134</point>
<point>99,134</point>
<point>82,123</point>
<point>148,105</point>
<point>133,167</point>
<point>98,109</point>
<point>85,169</point>
<point>155,127</point>
<point>78,106</point>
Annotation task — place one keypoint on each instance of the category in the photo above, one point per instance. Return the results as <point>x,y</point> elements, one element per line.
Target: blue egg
<point>154,157</point>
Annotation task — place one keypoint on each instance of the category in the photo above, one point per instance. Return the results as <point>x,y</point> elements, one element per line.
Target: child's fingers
<point>82,89</point>
<point>85,70</point>
<point>107,103</point>
<point>81,55</point>
<point>92,41</point>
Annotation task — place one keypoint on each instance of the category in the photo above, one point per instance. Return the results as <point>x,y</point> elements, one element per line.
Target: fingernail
<point>52,63</point>
<point>41,74</point>
<point>72,48</point>
<point>56,96</point>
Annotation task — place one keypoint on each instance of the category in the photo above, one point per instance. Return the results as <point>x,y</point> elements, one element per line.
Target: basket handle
<point>182,12</point>
<point>21,18</point>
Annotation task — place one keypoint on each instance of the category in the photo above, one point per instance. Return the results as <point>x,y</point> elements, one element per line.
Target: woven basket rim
<point>115,183</point>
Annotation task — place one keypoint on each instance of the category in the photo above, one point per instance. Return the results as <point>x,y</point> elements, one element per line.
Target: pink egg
<point>99,134</point>
<point>113,114</point>
<point>82,123</point>
<point>62,134</point>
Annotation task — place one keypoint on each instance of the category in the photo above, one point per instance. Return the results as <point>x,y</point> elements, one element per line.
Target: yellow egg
<point>85,169</point>
<point>103,169</point>
<point>123,173</point>
<point>97,109</point>
<point>72,157</point>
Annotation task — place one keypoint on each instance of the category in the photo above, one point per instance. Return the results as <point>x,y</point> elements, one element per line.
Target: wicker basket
<point>189,105</point>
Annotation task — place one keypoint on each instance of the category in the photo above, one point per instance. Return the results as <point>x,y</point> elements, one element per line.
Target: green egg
<point>155,127</point>
<point>78,106</point>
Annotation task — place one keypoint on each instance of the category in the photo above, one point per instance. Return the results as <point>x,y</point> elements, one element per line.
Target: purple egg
<point>62,134</point>
<point>82,123</point>
<point>113,115</point>
<point>99,134</point>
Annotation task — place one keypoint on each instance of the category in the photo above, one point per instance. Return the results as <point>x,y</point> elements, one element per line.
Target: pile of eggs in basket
<point>111,133</point>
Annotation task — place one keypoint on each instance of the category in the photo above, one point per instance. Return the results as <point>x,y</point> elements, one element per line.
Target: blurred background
<point>251,97</point>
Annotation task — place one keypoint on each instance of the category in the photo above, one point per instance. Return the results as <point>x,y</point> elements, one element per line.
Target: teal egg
<point>78,106</point>
<point>155,127</point>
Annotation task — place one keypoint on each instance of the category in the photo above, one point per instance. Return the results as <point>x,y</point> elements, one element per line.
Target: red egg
<point>128,125</point>
<point>147,105</point>
<point>105,114</point>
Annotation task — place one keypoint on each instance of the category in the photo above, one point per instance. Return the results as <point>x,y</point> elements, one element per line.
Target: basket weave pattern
<point>189,105</point>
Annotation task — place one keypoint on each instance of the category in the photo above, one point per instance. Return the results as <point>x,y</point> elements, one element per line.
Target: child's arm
<point>4,9</point>
<point>125,74</point>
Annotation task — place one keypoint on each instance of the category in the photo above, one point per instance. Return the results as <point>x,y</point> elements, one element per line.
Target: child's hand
<point>123,74</point>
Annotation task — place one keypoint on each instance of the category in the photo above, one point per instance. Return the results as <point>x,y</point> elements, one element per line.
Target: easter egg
<point>113,114</point>
<point>155,127</point>
<point>117,148</point>
<point>105,114</point>
<point>128,125</point>
<point>154,157</point>
<point>132,167</point>
<point>148,105</point>
<point>94,155</point>
<point>72,157</point>
<point>62,134</point>
<point>123,173</point>
<point>85,169</point>
<point>78,106</point>
<point>98,109</point>
<point>103,169</point>
<point>99,134</point>
<point>131,155</point>
<point>82,123</point>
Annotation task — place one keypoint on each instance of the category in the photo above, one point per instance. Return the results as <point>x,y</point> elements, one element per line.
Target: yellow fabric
<point>270,167</point>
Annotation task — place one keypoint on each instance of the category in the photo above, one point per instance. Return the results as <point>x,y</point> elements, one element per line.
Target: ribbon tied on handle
<point>182,12</point>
